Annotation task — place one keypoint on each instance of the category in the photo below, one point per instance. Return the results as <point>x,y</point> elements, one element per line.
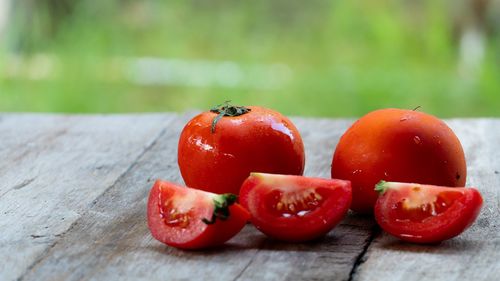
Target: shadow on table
<point>335,241</point>
<point>452,246</point>
<point>258,242</point>
<point>352,233</point>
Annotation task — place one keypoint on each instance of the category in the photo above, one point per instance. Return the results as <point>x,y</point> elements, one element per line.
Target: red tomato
<point>425,213</point>
<point>295,208</point>
<point>188,218</point>
<point>217,155</point>
<point>397,145</point>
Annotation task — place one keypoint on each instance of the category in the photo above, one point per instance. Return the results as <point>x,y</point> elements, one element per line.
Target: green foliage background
<point>347,57</point>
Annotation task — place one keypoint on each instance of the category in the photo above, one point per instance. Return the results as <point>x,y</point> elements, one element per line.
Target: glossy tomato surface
<point>295,208</point>
<point>397,145</point>
<point>426,213</point>
<point>219,160</point>
<point>176,217</point>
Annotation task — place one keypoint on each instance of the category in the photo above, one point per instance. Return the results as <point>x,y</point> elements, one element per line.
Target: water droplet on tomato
<point>417,140</point>
<point>199,142</point>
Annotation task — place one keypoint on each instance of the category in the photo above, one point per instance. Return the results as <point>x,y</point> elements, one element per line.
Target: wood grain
<point>475,254</point>
<point>73,192</point>
<point>331,258</point>
<point>112,238</point>
<point>52,168</point>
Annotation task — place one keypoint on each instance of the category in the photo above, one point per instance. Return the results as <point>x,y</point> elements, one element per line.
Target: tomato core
<point>418,207</point>
<point>287,204</point>
<point>171,216</point>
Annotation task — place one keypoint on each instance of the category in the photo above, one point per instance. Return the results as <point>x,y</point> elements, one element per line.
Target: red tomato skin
<point>397,145</point>
<point>261,140</point>
<point>449,224</point>
<point>204,236</point>
<point>295,229</point>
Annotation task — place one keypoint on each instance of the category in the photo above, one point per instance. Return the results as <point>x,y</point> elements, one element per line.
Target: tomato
<point>425,213</point>
<point>295,208</point>
<point>188,218</point>
<point>397,145</point>
<point>218,149</point>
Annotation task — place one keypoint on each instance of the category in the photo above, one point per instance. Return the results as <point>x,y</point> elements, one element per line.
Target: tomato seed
<point>279,206</point>
<point>317,196</point>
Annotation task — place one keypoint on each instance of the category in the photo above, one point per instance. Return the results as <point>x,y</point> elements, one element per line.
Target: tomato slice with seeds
<point>188,218</point>
<point>295,208</point>
<point>425,213</point>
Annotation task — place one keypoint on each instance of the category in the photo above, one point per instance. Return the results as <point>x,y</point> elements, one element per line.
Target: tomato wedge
<point>425,213</point>
<point>295,208</point>
<point>188,218</point>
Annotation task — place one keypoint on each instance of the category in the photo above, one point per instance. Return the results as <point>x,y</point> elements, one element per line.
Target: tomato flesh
<point>426,213</point>
<point>284,204</point>
<point>295,208</point>
<point>436,205</point>
<point>176,213</point>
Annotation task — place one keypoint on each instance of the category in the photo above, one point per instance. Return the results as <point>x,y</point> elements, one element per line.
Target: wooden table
<point>73,192</point>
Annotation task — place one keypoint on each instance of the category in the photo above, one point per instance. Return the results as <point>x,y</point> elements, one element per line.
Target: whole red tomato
<point>397,145</point>
<point>218,149</point>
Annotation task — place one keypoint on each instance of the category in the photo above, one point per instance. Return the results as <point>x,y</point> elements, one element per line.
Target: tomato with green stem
<point>425,213</point>
<point>295,208</point>
<point>188,218</point>
<point>218,149</point>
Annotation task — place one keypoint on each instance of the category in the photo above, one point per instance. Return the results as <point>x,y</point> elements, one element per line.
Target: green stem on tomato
<point>221,207</point>
<point>381,187</point>
<point>226,109</point>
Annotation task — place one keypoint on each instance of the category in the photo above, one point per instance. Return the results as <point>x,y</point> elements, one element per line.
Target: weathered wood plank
<point>328,259</point>
<point>107,238</point>
<point>53,167</point>
<point>112,240</point>
<point>475,254</point>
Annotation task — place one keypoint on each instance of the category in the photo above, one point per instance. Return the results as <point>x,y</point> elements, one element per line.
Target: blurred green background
<point>312,58</point>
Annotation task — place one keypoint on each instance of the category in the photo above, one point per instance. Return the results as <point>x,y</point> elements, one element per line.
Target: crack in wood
<point>40,139</point>
<point>18,186</point>
<point>107,241</point>
<point>361,258</point>
<point>238,276</point>
<point>23,184</point>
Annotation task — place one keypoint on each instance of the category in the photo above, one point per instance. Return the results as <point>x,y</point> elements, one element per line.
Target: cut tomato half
<point>295,208</point>
<point>193,219</point>
<point>425,213</point>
